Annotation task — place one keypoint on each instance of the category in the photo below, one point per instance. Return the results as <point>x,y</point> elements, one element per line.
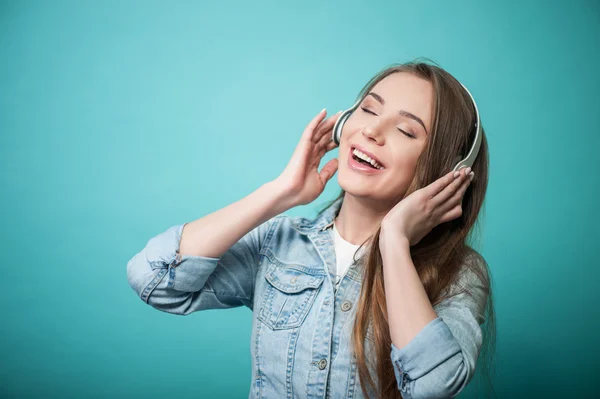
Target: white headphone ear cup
<point>336,134</point>
<point>339,126</point>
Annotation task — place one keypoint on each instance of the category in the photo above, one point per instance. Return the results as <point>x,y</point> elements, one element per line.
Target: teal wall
<point>119,119</point>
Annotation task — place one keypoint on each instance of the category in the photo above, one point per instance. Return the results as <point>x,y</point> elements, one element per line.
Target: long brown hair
<point>440,256</point>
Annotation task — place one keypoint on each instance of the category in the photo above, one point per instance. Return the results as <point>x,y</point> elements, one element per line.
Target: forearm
<point>434,350</point>
<point>212,235</point>
<point>408,307</point>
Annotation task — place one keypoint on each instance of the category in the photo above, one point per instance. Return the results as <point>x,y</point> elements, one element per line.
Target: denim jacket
<point>284,271</point>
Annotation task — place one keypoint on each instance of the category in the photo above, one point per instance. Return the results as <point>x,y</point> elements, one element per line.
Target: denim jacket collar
<point>321,222</point>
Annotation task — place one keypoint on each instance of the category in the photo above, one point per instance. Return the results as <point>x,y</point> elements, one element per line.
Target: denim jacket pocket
<point>290,292</point>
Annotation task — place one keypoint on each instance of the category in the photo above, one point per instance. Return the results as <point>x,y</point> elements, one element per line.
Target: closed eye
<point>373,113</point>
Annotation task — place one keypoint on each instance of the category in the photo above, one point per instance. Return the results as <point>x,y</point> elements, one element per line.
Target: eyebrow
<point>401,112</point>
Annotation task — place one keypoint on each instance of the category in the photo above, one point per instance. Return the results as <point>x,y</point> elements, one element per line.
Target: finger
<point>437,186</point>
<point>310,128</point>
<point>324,141</point>
<point>319,155</point>
<point>328,170</point>
<point>452,214</point>
<point>323,124</point>
<point>325,138</point>
<point>325,127</point>
<point>447,191</point>
<point>331,145</point>
<point>305,147</point>
<point>456,198</point>
<point>326,148</point>
<point>318,150</point>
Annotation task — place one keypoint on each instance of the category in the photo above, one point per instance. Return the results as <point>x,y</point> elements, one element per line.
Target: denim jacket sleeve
<point>182,284</point>
<point>440,360</point>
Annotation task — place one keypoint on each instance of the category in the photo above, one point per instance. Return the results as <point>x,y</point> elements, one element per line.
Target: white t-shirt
<point>344,254</point>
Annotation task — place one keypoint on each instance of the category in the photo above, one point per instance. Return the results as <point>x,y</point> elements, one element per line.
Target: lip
<point>366,152</point>
<point>359,167</point>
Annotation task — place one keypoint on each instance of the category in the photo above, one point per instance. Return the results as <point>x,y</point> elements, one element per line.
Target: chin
<point>352,184</point>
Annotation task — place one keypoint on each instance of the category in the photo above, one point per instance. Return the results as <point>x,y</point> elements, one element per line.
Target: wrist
<point>283,196</point>
<point>390,239</point>
<point>395,251</point>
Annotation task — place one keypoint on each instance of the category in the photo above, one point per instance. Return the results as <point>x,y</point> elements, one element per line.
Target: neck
<point>359,218</point>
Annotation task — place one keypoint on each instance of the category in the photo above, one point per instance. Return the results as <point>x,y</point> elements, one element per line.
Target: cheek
<point>405,156</point>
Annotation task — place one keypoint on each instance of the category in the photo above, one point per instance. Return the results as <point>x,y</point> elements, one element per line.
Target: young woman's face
<point>393,123</point>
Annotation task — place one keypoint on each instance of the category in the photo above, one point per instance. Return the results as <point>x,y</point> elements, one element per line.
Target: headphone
<point>467,162</point>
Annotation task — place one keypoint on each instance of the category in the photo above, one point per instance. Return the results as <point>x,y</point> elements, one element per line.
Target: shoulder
<point>475,268</point>
<point>471,286</point>
<point>284,230</point>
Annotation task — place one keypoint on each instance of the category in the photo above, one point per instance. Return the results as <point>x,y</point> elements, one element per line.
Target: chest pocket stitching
<point>303,268</point>
<point>286,304</point>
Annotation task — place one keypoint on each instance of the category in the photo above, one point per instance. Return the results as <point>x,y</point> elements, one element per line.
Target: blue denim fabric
<point>284,271</point>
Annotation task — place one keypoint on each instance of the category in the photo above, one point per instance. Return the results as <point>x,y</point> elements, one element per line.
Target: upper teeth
<point>364,157</point>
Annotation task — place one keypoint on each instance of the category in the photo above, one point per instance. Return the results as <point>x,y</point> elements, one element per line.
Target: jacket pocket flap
<point>291,280</point>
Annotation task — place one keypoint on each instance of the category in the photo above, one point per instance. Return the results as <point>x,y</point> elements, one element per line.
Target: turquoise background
<point>119,119</point>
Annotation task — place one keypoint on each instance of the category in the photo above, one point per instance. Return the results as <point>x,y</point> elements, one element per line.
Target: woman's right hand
<point>301,179</point>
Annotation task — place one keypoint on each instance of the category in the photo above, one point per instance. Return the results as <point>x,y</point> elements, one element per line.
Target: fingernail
<point>467,171</point>
<point>471,175</point>
<point>323,110</point>
<point>340,111</point>
<point>457,173</point>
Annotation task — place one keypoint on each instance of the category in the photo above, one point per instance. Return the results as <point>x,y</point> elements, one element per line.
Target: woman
<point>402,320</point>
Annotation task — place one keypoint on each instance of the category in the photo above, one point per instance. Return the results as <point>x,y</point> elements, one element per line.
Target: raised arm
<point>211,262</point>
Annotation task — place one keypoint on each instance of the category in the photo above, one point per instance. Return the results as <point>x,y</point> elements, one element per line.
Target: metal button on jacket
<point>322,363</point>
<point>346,306</point>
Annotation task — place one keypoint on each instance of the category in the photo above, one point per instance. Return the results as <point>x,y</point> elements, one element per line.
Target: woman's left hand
<point>416,215</point>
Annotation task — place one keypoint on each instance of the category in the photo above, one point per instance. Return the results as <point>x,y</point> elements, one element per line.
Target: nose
<point>372,131</point>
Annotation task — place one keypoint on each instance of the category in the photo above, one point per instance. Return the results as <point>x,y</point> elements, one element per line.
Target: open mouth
<point>362,161</point>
